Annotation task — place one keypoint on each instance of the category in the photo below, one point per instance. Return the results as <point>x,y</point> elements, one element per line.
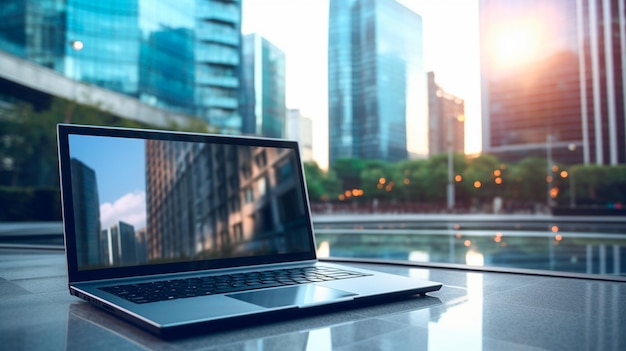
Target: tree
<point>321,185</point>
<point>376,183</point>
<point>415,178</point>
<point>529,180</point>
<point>28,145</point>
<point>479,177</point>
<point>348,171</point>
<point>600,185</point>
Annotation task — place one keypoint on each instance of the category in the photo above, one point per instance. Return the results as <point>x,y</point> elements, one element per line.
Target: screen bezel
<point>77,275</point>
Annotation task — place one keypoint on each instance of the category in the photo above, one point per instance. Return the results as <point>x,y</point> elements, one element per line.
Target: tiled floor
<point>473,311</point>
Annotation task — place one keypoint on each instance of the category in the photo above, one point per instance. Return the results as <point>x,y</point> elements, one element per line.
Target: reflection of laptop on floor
<point>178,231</point>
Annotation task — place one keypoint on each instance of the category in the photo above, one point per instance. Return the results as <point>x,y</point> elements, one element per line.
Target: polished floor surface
<point>473,311</point>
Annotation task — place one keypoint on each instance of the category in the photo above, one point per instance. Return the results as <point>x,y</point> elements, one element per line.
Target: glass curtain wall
<point>377,83</point>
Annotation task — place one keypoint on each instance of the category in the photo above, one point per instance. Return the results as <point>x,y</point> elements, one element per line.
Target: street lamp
<point>572,181</point>
<point>549,170</point>
<point>450,188</point>
<point>77,46</point>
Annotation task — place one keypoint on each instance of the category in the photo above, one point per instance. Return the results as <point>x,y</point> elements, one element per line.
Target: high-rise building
<point>119,246</point>
<point>376,81</point>
<point>446,120</point>
<point>300,128</point>
<point>217,58</point>
<point>553,79</point>
<point>180,56</point>
<point>263,102</point>
<point>207,200</point>
<point>86,213</point>
<point>128,242</point>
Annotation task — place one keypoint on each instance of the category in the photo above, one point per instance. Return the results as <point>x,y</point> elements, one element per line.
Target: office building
<point>142,245</point>
<point>119,246</point>
<point>553,80</point>
<point>264,110</point>
<point>207,200</point>
<point>376,81</point>
<point>86,213</point>
<point>300,128</point>
<point>446,120</point>
<point>180,56</point>
<point>174,184</point>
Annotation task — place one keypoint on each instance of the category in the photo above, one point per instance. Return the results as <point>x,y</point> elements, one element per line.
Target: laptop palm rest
<point>307,295</point>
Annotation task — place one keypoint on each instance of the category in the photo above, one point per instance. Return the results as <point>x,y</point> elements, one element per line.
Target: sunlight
<point>474,258</point>
<point>516,43</point>
<point>324,249</point>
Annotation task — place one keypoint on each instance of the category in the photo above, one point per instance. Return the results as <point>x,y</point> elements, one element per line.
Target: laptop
<point>185,232</point>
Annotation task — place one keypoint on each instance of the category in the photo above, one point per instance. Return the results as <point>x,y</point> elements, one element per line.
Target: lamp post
<point>572,189</point>
<point>77,46</point>
<point>549,170</point>
<point>572,181</point>
<point>450,187</point>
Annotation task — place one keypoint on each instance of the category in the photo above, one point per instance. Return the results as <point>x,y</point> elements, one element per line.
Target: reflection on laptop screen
<point>155,201</point>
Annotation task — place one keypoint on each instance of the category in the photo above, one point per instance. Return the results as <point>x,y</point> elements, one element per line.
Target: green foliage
<point>29,170</point>
<point>530,179</point>
<point>602,185</point>
<point>479,181</point>
<point>348,171</point>
<point>29,138</point>
<point>28,153</point>
<point>377,183</point>
<point>425,181</point>
<point>321,185</point>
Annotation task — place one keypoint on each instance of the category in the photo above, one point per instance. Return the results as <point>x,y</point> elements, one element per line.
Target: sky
<point>300,29</point>
<point>119,164</point>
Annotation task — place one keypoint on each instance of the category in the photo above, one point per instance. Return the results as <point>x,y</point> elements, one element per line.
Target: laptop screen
<point>155,198</point>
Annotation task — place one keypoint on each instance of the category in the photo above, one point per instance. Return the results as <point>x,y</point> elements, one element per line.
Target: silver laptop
<point>182,232</point>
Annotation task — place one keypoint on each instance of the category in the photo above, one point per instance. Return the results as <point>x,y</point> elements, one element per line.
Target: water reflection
<point>556,247</point>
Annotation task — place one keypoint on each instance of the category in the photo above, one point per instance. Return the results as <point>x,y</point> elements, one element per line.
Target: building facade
<point>300,128</point>
<point>120,246</point>
<point>183,57</point>
<point>216,200</point>
<point>86,213</point>
<point>553,80</point>
<point>446,120</point>
<point>264,109</point>
<point>376,81</point>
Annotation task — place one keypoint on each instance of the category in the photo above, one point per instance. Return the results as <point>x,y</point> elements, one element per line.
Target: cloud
<point>130,208</point>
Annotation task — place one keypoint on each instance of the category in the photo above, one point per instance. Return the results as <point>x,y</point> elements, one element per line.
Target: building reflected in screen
<point>86,213</point>
<point>215,201</point>
<point>180,201</point>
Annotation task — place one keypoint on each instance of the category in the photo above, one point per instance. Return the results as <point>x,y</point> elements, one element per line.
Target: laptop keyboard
<point>220,284</point>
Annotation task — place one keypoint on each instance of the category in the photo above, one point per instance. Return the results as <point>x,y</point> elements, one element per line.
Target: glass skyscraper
<point>553,79</point>
<point>263,102</point>
<point>183,56</point>
<point>86,213</point>
<point>376,80</point>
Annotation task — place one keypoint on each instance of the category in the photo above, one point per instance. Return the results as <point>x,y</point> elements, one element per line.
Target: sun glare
<point>516,43</point>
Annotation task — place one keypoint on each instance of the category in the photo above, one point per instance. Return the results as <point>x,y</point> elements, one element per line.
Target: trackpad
<point>300,295</point>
